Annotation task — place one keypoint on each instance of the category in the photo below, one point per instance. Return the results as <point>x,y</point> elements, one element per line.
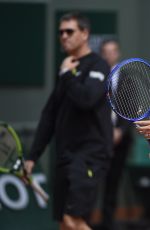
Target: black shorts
<point>75,187</point>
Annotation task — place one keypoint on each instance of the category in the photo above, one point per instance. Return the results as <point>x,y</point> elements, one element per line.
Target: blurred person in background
<point>122,139</point>
<point>78,115</point>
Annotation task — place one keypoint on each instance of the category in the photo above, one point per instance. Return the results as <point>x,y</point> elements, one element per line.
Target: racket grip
<point>37,188</point>
<point>34,185</point>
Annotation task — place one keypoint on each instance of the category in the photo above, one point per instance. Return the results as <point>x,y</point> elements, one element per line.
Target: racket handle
<point>34,185</point>
<point>37,188</point>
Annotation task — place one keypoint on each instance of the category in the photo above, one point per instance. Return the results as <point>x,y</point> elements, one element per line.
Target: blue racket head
<point>129,89</point>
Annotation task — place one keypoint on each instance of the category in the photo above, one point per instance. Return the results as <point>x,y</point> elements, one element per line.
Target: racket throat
<point>17,165</point>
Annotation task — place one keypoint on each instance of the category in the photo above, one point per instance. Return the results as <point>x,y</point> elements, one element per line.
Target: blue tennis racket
<point>129,89</point>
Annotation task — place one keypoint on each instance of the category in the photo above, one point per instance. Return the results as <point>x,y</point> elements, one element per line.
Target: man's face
<point>111,53</point>
<point>71,37</point>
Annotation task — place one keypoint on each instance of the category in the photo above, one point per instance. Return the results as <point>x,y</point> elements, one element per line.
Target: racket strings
<point>134,108</point>
<point>134,87</point>
<point>8,149</point>
<point>145,84</point>
<point>124,99</point>
<point>136,102</point>
<point>128,81</point>
<point>129,89</point>
<point>119,95</point>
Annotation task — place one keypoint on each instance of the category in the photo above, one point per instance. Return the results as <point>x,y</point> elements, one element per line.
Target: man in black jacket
<point>78,115</point>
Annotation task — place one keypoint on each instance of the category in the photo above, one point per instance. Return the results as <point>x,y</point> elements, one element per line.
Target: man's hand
<point>143,127</point>
<point>28,166</point>
<point>117,135</point>
<point>69,63</point>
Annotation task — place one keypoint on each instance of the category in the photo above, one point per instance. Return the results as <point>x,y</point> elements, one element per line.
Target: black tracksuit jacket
<point>77,113</point>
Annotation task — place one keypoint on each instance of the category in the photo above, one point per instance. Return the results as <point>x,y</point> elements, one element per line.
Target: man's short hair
<point>82,20</point>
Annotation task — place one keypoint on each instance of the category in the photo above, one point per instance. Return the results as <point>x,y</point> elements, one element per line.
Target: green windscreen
<point>8,149</point>
<point>22,38</point>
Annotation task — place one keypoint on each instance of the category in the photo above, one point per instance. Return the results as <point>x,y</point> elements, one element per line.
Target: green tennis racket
<point>11,158</point>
